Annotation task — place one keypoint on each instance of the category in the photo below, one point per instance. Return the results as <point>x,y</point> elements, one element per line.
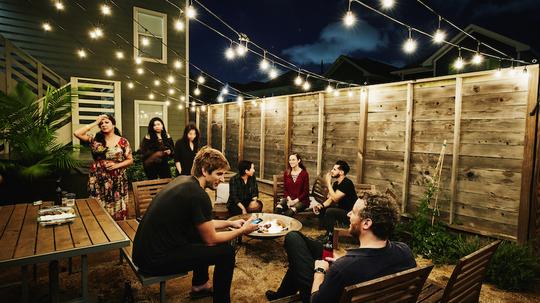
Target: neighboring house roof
<point>366,65</point>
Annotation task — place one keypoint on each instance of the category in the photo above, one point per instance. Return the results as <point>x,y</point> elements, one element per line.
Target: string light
<point>439,36</point>
<point>336,91</point>
<point>157,82</point>
<point>170,79</point>
<point>273,73</point>
<point>119,55</point>
<point>59,5</point>
<point>130,85</point>
<point>167,102</point>
<point>477,58</point>
<point>96,33</point>
<point>177,64</point>
<point>329,88</point>
<point>170,91</point>
<point>140,71</point>
<point>179,25</point>
<point>183,98</point>
<point>192,109</point>
<point>239,100</point>
<point>191,12</point>
<point>220,98</point>
<point>151,96</point>
<point>224,91</point>
<point>459,63</point>
<point>298,80</point>
<point>306,86</point>
<point>46,26</point>
<point>241,49</point>
<point>498,73</point>
<point>254,103</point>
<point>410,44</point>
<point>197,91</point>
<point>203,108</point>
<point>105,10</point>
<point>138,60</point>
<point>349,19</point>
<point>145,41</point>
<point>180,107</point>
<point>109,72</point>
<point>525,72</point>
<point>512,71</point>
<point>387,3</point>
<point>201,79</point>
<point>264,65</point>
<point>350,93</point>
<point>81,53</point>
<point>229,53</point>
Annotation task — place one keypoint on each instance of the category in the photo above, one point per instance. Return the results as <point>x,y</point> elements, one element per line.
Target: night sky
<point>308,31</point>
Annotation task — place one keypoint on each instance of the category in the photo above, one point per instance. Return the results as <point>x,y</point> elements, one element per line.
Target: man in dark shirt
<point>341,197</point>
<point>177,233</point>
<point>372,221</point>
<point>243,190</point>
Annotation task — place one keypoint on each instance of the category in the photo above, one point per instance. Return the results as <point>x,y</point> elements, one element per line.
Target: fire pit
<point>272,225</point>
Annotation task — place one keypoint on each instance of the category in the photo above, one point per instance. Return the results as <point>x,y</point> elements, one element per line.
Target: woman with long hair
<point>185,149</point>
<point>107,180</point>
<point>156,150</point>
<point>295,187</point>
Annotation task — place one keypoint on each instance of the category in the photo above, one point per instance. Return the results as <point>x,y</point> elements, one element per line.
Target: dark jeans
<point>235,210</point>
<point>160,170</point>
<point>301,253</point>
<point>286,210</point>
<point>198,257</point>
<point>332,215</point>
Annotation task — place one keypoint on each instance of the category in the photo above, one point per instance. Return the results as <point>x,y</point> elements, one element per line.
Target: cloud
<point>335,40</point>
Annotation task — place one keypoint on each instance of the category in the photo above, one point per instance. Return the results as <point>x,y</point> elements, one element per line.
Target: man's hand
<point>328,179</point>
<point>238,223</point>
<point>317,208</point>
<point>322,264</point>
<point>249,227</point>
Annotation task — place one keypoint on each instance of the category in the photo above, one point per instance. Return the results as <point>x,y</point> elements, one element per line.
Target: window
<point>149,35</point>
<point>144,112</point>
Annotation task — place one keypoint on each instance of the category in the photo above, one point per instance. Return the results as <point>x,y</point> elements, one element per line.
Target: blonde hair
<point>208,159</point>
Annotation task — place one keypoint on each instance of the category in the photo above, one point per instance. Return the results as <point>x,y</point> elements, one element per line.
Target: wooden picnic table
<point>25,242</point>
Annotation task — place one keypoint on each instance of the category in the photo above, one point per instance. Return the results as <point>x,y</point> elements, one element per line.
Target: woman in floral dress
<point>107,181</point>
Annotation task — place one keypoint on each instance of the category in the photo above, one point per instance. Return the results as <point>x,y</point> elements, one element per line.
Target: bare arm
<point>81,132</point>
<point>178,167</point>
<point>208,233</point>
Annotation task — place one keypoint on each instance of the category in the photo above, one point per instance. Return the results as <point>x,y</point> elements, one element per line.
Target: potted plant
<point>29,126</point>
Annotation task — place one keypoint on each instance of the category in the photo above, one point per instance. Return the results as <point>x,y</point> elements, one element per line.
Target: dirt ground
<point>260,265</point>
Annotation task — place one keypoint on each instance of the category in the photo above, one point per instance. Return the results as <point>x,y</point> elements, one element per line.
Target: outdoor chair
<point>466,280</point>
<point>144,192</point>
<point>318,193</point>
<point>220,210</point>
<point>401,287</point>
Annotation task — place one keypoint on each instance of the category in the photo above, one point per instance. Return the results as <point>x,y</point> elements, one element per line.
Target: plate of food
<point>271,225</point>
<point>56,215</point>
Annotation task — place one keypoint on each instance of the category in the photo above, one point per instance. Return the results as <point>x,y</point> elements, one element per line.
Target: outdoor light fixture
<point>477,58</point>
<point>59,5</point>
<point>191,12</point>
<point>349,19</point>
<point>229,53</point>
<point>96,33</point>
<point>140,71</point>
<point>224,91</point>
<point>170,91</point>
<point>201,79</point>
<point>329,88</point>
<point>439,36</point>
<point>145,41</point>
<point>183,98</point>
<point>170,79</point>
<point>130,85</point>
<point>180,106</point>
<point>239,100</point>
<point>177,64</point>
<point>459,63</point>
<point>264,65</point>
<point>197,91</point>
<point>241,50</point>
<point>167,102</point>
<point>151,96</point>
<point>119,55</point>
<point>81,53</point>
<point>298,80</point>
<point>179,25</point>
<point>306,85</point>
<point>273,73</point>
<point>220,98</point>
<point>387,3</point>
<point>157,82</point>
<point>410,44</point>
<point>109,72</point>
<point>203,108</point>
<point>105,10</point>
<point>138,60</point>
<point>46,26</point>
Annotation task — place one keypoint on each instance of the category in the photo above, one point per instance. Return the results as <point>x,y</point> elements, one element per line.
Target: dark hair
<point>152,132</point>
<point>301,164</point>
<point>383,212</point>
<point>243,166</point>
<point>208,159</point>
<point>185,139</point>
<point>100,137</point>
<point>343,166</point>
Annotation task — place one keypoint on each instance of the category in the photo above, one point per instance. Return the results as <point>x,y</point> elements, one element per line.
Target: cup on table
<point>70,200</point>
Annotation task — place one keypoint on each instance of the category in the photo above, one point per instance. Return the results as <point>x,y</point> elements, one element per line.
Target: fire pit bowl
<point>280,225</point>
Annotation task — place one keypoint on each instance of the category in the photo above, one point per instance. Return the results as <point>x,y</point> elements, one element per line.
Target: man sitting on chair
<point>372,221</point>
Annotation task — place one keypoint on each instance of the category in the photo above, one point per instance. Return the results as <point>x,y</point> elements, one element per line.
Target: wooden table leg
<point>24,286</point>
<point>84,277</point>
<point>53,281</point>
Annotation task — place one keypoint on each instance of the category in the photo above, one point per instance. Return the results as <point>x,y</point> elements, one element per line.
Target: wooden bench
<point>130,228</point>
<point>144,192</point>
<point>466,280</point>
<point>318,192</point>
<point>401,287</point>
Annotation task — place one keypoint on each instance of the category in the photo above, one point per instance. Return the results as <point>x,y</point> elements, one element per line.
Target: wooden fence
<point>391,136</point>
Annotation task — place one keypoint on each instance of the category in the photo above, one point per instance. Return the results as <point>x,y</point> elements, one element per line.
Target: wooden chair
<point>144,192</point>
<point>318,191</point>
<point>401,287</point>
<point>466,280</point>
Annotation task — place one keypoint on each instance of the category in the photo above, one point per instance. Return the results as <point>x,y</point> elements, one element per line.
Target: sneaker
<point>272,295</point>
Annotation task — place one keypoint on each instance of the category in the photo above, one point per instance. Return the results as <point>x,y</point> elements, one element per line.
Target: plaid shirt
<point>240,192</point>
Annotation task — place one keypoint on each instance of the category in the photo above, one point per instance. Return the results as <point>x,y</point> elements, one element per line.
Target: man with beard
<point>372,221</point>
<point>177,233</point>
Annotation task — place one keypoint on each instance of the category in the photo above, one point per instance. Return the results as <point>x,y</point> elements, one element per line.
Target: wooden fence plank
<point>320,133</point>
<point>455,152</point>
<point>361,154</point>
<point>407,154</point>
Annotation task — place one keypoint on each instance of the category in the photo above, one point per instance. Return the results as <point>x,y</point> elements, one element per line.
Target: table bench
<point>130,228</point>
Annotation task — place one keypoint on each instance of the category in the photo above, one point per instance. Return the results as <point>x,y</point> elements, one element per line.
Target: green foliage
<point>136,171</point>
<point>514,267</point>
<point>29,125</point>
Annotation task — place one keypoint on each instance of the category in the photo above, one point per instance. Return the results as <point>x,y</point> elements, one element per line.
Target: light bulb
<point>157,82</point>
<point>192,109</point>
<point>167,102</point>
<point>46,26</point>
<point>336,93</point>
<point>350,93</point>
<point>145,41</point>
<point>459,63</point>
<point>59,5</point>
<point>140,71</point>
<point>130,85</point>
<point>201,79</point>
<point>119,55</point>
<point>220,98</point>
<point>224,91</point>
<point>512,72</point>
<point>191,12</point>
<point>229,53</point>
<point>409,46</point>
<point>170,91</point>
<point>241,50</point>
<point>254,103</point>
<point>239,100</point>
<point>179,25</point>
<point>329,88</point>
<point>298,80</point>
<point>349,19</point>
<point>96,33</point>
<point>170,79</point>
<point>264,65</point>
<point>180,106</point>
<point>439,36</point>
<point>273,73</point>
<point>109,72</point>
<point>197,91</point>
<point>477,59</point>
<point>138,60</point>
<point>81,53</point>
<point>203,108</point>
<point>498,73</point>
<point>387,3</point>
<point>306,85</point>
<point>151,96</point>
<point>105,10</point>
<point>183,98</point>
<point>177,64</point>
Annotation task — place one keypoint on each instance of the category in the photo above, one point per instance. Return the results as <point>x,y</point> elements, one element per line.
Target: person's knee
<point>292,238</point>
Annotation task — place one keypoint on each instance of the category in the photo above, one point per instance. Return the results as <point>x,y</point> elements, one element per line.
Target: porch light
<point>105,10</point>
<point>201,79</point>
<point>157,82</point>
<point>191,12</point>
<point>179,25</point>
<point>387,3</point>
<point>46,26</point>
<point>81,53</point>
<point>177,64</point>
<point>109,72</point>
<point>119,55</point>
<point>140,71</point>
<point>59,5</point>
<point>145,41</point>
<point>171,91</point>
<point>197,91</point>
<point>151,96</point>
<point>130,85</point>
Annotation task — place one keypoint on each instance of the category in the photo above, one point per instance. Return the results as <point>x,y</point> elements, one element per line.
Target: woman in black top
<point>156,150</point>
<point>185,150</point>
<point>243,191</point>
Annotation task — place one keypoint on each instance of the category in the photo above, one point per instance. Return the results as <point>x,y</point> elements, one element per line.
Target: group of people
<point>178,234</point>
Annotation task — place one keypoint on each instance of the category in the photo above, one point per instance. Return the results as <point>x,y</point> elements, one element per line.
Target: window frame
<point>136,11</point>
<point>137,104</point>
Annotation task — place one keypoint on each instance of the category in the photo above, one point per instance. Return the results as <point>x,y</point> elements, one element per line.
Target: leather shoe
<point>272,295</point>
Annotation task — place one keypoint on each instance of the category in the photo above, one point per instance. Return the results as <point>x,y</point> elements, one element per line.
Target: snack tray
<point>56,215</point>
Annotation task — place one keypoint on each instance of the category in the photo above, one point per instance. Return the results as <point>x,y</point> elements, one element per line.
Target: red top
<point>298,189</point>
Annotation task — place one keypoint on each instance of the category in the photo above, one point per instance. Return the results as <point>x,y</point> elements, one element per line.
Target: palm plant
<point>29,126</point>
